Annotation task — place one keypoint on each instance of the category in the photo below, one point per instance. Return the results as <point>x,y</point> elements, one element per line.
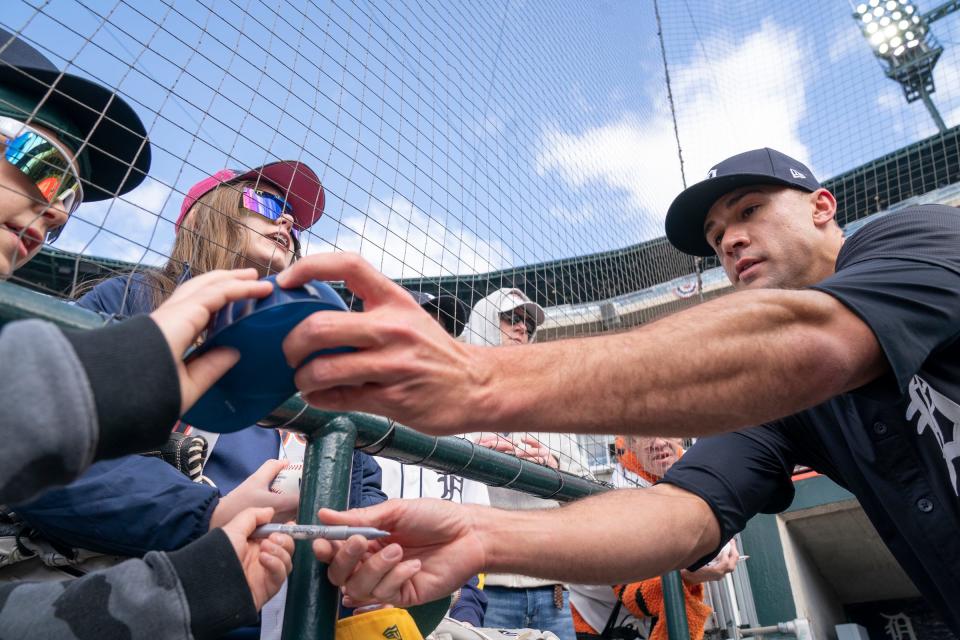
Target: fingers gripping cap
<point>687,213</point>
<point>262,380</point>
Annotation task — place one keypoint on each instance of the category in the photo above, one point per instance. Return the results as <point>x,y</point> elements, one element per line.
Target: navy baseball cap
<point>688,211</point>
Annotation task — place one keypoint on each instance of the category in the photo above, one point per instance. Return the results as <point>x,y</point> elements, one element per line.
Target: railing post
<point>312,602</point>
<point>675,606</point>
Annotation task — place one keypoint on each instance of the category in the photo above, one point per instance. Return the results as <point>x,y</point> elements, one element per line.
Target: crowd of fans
<point>78,514</point>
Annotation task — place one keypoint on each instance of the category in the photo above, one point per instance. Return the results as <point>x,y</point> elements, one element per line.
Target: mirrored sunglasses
<point>45,163</point>
<point>269,206</point>
<point>516,317</point>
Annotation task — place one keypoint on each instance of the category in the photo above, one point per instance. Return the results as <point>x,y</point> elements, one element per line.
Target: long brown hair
<point>211,237</point>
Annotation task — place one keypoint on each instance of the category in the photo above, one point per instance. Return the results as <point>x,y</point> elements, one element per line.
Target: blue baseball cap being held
<point>687,213</point>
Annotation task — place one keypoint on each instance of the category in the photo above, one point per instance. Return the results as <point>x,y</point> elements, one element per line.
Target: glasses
<point>268,205</point>
<point>45,163</point>
<point>519,317</point>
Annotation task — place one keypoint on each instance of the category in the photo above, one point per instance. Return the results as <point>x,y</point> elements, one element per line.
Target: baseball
<point>288,480</point>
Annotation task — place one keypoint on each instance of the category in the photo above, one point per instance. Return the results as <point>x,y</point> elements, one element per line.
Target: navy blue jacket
<point>135,504</point>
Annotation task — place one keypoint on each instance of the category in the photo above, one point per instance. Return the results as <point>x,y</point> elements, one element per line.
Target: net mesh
<point>471,148</point>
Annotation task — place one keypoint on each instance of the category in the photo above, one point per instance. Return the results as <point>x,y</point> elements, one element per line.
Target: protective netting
<point>466,148</point>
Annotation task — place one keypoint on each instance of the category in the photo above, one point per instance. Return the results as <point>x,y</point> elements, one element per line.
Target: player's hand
<point>255,492</point>
<point>405,367</point>
<point>185,315</point>
<point>433,549</point>
<point>716,569</point>
<point>266,562</point>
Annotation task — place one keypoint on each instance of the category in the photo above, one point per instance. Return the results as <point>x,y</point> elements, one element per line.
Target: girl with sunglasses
<point>248,218</point>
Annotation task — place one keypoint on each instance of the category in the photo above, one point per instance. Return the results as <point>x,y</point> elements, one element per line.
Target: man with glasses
<point>508,318</point>
<point>69,398</point>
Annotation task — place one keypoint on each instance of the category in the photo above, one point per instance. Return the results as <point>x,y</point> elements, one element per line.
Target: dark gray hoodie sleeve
<point>54,388</point>
<point>196,592</point>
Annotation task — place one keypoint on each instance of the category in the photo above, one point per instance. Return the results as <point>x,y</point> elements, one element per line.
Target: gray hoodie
<point>69,399</point>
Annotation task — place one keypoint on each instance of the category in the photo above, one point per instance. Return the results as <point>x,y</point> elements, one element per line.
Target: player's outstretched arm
<point>436,545</point>
<point>736,361</point>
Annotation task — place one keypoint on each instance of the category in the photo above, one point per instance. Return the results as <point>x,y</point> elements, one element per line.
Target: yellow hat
<point>392,624</point>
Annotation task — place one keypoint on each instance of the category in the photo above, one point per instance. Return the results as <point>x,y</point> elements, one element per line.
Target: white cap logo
<point>797,174</point>
<point>711,174</point>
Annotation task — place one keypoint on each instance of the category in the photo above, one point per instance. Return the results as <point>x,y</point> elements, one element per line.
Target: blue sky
<point>462,137</point>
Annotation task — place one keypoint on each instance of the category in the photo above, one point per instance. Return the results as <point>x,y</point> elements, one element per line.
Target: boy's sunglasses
<point>45,163</point>
<point>518,317</point>
<point>269,206</point>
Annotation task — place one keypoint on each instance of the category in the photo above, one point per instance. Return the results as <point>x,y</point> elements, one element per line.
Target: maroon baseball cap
<point>296,181</point>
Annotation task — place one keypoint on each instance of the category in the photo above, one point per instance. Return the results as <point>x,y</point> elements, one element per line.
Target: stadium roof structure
<point>875,186</point>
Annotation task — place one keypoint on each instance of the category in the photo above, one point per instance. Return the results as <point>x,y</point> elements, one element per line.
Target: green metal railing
<point>312,602</point>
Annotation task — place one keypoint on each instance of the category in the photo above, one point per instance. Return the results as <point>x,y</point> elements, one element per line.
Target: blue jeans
<point>528,609</point>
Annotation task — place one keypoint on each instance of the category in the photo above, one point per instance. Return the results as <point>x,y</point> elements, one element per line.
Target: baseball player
<point>844,352</point>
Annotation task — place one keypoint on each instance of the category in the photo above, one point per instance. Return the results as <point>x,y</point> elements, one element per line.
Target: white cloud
<point>846,41</point>
<point>403,242</point>
<point>629,154</point>
<point>754,96</point>
<point>946,76</point>
<point>122,228</point>
<point>748,96</point>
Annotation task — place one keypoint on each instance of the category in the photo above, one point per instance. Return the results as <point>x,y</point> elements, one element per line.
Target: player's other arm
<point>664,527</point>
<point>435,546</point>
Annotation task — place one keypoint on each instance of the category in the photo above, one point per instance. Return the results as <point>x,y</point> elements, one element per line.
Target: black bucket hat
<point>116,156</point>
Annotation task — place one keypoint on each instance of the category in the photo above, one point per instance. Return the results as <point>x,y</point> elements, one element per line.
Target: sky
<point>456,138</point>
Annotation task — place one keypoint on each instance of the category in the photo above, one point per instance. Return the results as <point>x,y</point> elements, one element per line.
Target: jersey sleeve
<point>901,276</point>
<point>739,475</point>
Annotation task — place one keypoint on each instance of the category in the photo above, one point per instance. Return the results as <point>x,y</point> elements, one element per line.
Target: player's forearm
<point>620,536</point>
<point>737,361</point>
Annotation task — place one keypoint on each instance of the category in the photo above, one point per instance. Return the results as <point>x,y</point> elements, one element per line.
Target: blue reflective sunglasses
<point>269,206</point>
<point>45,163</point>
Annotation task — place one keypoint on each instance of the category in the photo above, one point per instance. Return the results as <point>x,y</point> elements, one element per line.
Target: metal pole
<point>675,606</point>
<point>928,102</point>
<point>312,602</point>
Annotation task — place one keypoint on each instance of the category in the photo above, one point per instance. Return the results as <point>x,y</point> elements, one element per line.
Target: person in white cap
<point>507,317</point>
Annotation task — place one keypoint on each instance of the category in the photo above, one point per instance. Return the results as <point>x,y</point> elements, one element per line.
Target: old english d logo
<point>711,174</point>
<point>392,633</point>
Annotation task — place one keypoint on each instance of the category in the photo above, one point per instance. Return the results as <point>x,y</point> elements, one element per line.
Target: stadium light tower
<point>900,37</point>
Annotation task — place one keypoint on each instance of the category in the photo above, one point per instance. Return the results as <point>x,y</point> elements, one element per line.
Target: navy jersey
<point>894,443</point>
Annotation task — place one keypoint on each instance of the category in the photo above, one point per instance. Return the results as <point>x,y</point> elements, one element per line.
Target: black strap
<point>612,620</point>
